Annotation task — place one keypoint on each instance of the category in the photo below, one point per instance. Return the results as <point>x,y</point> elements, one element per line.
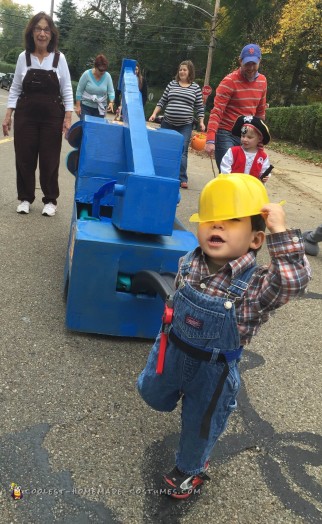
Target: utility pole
<point>52,9</point>
<point>212,43</point>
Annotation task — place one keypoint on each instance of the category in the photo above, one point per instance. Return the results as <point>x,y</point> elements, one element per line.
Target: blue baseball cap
<point>250,53</point>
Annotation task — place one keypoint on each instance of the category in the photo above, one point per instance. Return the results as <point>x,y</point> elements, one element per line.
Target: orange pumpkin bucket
<point>198,141</point>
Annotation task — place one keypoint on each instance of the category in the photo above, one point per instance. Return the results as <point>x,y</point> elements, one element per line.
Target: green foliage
<point>81,52</point>
<point>12,56</point>
<point>161,33</point>
<point>6,68</point>
<point>66,16</point>
<point>13,20</point>
<point>74,86</point>
<point>300,124</point>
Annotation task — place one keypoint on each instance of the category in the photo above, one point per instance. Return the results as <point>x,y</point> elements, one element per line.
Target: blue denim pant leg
<point>195,381</point>
<point>199,383</point>
<point>87,110</point>
<point>161,392</point>
<point>224,140</point>
<point>185,131</point>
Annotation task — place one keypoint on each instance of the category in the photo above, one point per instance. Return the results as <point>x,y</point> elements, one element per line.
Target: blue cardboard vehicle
<point>124,239</point>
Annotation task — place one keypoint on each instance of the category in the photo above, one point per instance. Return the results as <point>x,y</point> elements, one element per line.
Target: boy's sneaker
<point>49,209</point>
<point>23,207</point>
<point>184,185</point>
<point>182,485</point>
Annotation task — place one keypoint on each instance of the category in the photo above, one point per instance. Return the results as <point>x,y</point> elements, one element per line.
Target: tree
<point>240,23</point>
<point>298,41</point>
<point>13,20</point>
<point>157,34</point>
<point>162,34</point>
<point>87,38</point>
<point>12,56</point>
<point>66,16</point>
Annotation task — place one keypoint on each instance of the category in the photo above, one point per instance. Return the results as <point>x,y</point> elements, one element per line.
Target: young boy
<point>250,156</point>
<point>222,297</point>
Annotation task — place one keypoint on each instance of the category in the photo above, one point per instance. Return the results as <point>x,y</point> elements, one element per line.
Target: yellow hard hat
<point>231,196</point>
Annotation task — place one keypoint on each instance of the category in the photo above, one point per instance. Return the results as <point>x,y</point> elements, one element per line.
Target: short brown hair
<point>29,40</point>
<point>101,61</point>
<point>258,224</point>
<point>191,71</point>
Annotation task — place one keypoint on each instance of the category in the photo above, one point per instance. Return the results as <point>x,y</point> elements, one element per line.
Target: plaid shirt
<point>270,287</point>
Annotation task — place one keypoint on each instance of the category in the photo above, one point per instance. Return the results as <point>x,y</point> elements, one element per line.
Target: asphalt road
<point>76,436</point>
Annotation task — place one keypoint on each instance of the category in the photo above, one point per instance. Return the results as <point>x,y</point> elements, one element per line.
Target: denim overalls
<point>200,366</point>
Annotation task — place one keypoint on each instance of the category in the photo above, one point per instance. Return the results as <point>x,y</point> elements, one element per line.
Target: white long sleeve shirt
<point>62,72</point>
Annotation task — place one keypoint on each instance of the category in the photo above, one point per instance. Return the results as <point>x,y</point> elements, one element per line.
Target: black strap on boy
<point>237,288</point>
<point>206,421</point>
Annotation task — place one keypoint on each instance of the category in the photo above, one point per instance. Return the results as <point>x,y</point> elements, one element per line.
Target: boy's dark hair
<point>258,224</point>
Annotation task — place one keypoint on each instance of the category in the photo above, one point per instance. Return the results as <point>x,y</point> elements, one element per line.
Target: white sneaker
<point>49,210</point>
<point>23,207</point>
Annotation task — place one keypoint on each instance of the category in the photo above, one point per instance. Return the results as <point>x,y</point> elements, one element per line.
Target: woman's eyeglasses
<point>39,29</point>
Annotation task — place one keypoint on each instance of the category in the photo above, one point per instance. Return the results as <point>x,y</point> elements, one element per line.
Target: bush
<point>7,68</point>
<point>299,124</point>
<point>12,56</point>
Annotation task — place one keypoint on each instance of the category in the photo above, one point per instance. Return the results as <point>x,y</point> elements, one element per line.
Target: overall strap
<point>186,263</point>
<point>239,285</point>
<point>56,59</point>
<point>28,59</point>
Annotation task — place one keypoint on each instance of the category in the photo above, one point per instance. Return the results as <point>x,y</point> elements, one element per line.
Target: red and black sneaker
<point>182,485</point>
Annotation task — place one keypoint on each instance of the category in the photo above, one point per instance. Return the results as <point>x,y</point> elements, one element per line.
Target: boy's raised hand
<point>274,217</point>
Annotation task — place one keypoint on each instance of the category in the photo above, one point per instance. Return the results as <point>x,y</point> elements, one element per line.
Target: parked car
<point>2,74</point>
<point>6,81</point>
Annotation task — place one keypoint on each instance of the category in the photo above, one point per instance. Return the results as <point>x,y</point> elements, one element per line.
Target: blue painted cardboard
<point>131,228</point>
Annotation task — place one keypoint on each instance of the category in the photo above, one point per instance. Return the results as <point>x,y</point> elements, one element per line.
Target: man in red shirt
<point>242,92</point>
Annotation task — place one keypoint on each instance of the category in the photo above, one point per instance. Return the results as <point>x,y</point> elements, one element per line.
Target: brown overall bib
<point>38,124</point>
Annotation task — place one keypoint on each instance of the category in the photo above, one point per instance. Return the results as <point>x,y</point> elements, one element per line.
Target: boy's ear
<point>257,240</point>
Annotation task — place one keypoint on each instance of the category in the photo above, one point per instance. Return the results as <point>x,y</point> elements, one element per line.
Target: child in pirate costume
<point>222,297</point>
<point>249,157</point>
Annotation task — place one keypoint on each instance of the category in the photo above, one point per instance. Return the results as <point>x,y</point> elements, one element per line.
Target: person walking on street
<point>221,300</point>
<point>242,92</point>
<point>41,99</point>
<point>94,87</point>
<point>181,98</point>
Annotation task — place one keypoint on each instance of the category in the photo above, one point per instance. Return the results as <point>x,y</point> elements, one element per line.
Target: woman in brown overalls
<point>42,98</point>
